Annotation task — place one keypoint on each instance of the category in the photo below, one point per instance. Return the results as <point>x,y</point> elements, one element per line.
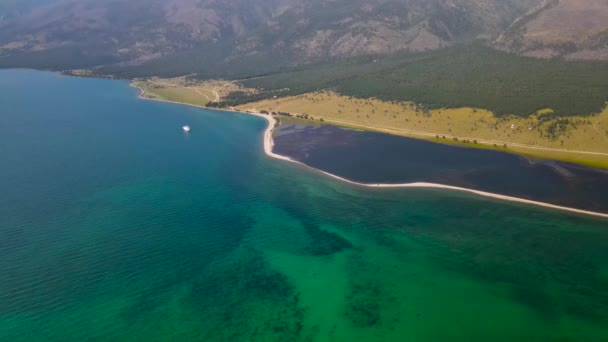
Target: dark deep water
<point>116,226</point>
<point>370,157</point>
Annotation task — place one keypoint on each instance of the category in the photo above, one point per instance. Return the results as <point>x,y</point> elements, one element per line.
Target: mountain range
<point>178,37</point>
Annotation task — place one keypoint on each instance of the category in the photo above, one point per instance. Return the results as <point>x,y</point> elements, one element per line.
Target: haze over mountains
<point>198,35</point>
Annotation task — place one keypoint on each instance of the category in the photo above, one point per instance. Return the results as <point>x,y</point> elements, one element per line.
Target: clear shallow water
<point>114,225</point>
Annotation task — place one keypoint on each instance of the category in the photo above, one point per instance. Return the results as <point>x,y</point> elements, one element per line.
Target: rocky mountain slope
<point>574,29</point>
<point>184,36</point>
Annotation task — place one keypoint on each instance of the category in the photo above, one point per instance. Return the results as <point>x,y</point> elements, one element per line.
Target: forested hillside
<point>238,37</point>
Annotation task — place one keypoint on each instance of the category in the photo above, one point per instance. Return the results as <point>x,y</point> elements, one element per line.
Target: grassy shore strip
<point>183,89</point>
<point>592,159</point>
<point>268,143</point>
<point>582,140</point>
<point>169,92</point>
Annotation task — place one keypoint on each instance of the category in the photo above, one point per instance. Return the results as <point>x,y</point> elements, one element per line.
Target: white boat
<point>186,129</point>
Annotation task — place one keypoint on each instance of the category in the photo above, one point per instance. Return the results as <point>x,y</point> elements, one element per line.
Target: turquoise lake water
<point>116,226</point>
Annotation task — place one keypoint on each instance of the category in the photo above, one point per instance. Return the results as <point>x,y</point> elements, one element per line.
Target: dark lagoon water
<point>370,157</point>
<point>114,225</point>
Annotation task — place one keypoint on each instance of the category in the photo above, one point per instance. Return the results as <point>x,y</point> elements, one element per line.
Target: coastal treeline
<point>471,76</point>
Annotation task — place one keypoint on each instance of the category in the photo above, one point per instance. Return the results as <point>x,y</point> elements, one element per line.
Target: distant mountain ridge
<point>573,29</point>
<point>202,36</point>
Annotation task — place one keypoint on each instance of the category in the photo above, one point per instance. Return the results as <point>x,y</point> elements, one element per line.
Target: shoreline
<point>268,143</point>
<point>545,148</point>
